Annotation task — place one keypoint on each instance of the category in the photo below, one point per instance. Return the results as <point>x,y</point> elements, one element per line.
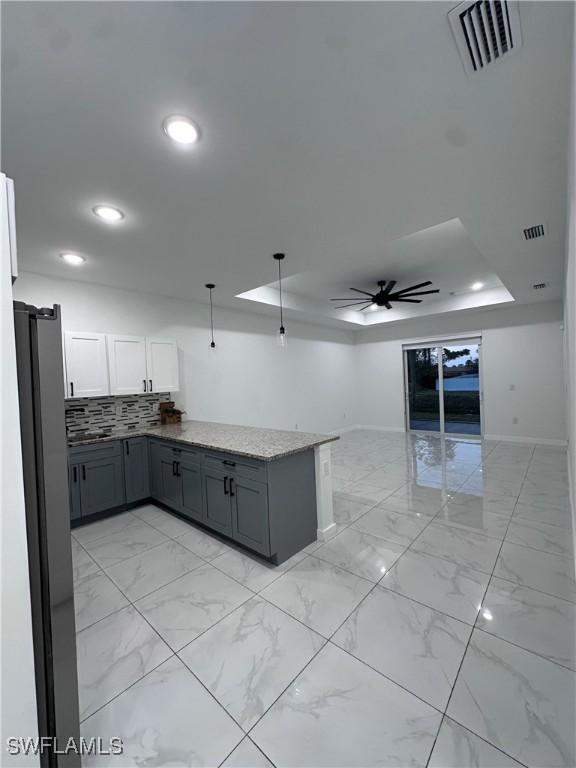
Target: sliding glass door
<point>443,391</point>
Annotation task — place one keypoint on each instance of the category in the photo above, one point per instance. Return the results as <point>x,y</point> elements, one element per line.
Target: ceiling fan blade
<point>367,307</point>
<point>355,304</point>
<point>415,287</point>
<point>390,285</point>
<point>409,301</point>
<point>348,299</point>
<point>419,293</point>
<point>364,292</point>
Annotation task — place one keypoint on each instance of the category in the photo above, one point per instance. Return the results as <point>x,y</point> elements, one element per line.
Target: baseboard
<point>528,440</point>
<point>323,533</point>
<point>380,429</point>
<point>343,430</point>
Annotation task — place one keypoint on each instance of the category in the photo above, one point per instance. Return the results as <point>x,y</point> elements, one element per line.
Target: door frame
<point>439,344</point>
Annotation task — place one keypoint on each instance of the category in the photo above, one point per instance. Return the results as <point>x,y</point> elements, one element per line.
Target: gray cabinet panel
<point>136,469</point>
<point>101,485</point>
<point>191,480</point>
<point>74,487</point>
<point>250,514</point>
<point>164,482</point>
<point>217,500</point>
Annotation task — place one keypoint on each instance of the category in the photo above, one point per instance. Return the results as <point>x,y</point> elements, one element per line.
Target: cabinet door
<point>74,486</point>
<point>101,485</point>
<point>127,364</point>
<point>165,484</point>
<point>250,514</point>
<point>218,510</point>
<point>162,365</point>
<point>136,472</point>
<point>191,478</point>
<point>86,364</point>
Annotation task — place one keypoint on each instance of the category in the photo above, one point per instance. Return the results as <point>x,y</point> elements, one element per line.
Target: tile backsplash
<point>113,414</point>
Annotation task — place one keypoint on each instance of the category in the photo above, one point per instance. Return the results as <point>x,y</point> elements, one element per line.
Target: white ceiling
<point>331,131</point>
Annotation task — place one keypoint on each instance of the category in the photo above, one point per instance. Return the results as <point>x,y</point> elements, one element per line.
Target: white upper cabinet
<point>162,362</point>
<point>127,364</point>
<point>86,364</point>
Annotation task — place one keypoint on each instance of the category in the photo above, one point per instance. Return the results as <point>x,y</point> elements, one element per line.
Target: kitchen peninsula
<point>268,490</point>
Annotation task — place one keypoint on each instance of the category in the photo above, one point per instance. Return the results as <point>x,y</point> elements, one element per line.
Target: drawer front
<point>177,450</point>
<point>251,469</point>
<point>97,451</point>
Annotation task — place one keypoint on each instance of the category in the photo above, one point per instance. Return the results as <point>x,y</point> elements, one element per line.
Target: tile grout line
<point>473,628</point>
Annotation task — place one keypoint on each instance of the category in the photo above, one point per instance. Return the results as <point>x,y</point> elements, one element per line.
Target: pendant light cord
<point>211,317</point>
<point>280,287</point>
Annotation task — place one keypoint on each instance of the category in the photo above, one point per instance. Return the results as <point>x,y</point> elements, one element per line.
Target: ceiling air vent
<point>539,286</point>
<point>531,233</point>
<point>485,31</point>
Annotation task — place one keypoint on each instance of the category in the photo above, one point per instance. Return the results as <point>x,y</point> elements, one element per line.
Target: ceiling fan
<point>387,294</point>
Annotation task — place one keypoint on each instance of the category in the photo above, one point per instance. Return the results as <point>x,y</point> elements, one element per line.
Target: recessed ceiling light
<point>181,129</point>
<point>477,286</point>
<point>73,258</point>
<point>108,213</point>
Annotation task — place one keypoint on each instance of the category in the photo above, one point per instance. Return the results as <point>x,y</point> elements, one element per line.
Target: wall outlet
<point>345,417</point>
<point>515,420</point>
<point>512,387</point>
<point>295,426</point>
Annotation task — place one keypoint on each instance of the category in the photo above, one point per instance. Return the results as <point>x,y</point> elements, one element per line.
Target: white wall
<point>247,380</point>
<point>521,346</point>
<point>323,381</point>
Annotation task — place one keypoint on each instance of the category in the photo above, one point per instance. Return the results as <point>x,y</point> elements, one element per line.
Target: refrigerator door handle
<point>83,471</point>
<point>75,473</point>
<point>71,389</point>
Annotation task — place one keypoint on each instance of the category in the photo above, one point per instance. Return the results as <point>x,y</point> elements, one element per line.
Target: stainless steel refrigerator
<point>45,465</point>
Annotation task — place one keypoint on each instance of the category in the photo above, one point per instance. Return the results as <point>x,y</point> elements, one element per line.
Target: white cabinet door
<point>162,363</point>
<point>86,364</point>
<point>127,364</point>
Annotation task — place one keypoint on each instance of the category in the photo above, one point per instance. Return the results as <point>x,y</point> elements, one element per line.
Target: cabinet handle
<point>144,382</point>
<point>225,486</point>
<point>71,389</point>
<point>127,448</point>
<point>229,463</point>
<point>174,468</point>
<point>75,474</point>
<point>178,469</point>
<point>83,471</point>
<point>231,491</point>
<point>150,380</point>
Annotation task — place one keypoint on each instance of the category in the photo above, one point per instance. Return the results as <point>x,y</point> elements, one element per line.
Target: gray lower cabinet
<point>269,507</point>
<point>96,479</point>
<point>176,479</point>
<point>164,482</point>
<point>188,468</point>
<point>250,525</point>
<point>218,509</point>
<point>136,474</point>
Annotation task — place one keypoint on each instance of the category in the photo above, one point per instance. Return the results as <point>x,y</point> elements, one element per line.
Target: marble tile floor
<point>436,627</point>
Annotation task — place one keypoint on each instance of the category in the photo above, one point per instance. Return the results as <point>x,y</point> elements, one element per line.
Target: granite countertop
<point>257,443</point>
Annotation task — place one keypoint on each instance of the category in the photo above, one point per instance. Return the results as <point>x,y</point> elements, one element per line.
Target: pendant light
<point>211,287</point>
<point>281,334</point>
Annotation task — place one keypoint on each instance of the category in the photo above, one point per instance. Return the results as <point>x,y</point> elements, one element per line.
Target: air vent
<point>485,31</point>
<point>539,286</point>
<point>531,233</point>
